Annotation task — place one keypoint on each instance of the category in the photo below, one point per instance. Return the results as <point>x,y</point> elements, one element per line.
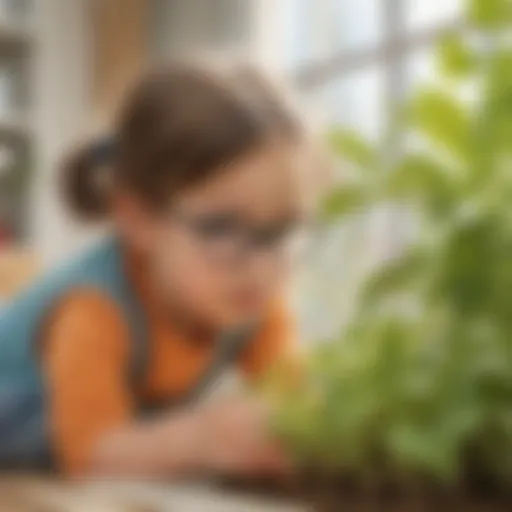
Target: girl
<point>203,182</point>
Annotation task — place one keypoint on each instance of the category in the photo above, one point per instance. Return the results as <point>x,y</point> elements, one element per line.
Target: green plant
<point>420,384</point>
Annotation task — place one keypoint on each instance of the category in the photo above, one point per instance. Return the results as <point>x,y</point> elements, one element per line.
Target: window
<point>298,32</point>
<point>358,35</point>
<point>355,101</point>
<point>356,24</point>
<point>424,14</point>
<point>15,143</point>
<point>374,52</point>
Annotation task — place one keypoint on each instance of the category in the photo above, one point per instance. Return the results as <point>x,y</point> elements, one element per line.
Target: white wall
<point>61,83</point>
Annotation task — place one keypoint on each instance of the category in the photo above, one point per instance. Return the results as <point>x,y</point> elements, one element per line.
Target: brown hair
<point>180,125</point>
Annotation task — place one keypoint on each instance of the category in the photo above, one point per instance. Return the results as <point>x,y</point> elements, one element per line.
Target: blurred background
<point>65,63</point>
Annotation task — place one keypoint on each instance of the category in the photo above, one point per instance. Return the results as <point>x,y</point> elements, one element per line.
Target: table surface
<point>33,494</point>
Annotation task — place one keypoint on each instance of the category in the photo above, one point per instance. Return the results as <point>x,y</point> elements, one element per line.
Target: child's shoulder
<point>96,275</point>
<point>98,266</point>
<point>86,312</point>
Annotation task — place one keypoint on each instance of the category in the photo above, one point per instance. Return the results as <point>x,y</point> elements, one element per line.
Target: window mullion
<point>395,84</point>
<point>316,75</point>
<point>393,18</point>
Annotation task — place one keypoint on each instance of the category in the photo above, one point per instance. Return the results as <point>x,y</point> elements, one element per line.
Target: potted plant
<point>412,404</point>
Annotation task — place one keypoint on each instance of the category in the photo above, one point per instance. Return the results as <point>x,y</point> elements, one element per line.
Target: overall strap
<point>134,315</point>
<point>139,343</point>
<point>228,348</point>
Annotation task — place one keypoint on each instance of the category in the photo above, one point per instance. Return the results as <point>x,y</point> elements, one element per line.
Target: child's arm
<point>85,360</point>
<point>228,438</point>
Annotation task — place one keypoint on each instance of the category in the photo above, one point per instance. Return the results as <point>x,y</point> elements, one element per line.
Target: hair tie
<point>103,151</point>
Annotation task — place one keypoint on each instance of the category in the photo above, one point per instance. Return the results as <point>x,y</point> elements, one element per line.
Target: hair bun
<point>83,187</point>
<point>102,151</point>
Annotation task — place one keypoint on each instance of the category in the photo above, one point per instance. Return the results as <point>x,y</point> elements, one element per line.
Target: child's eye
<point>217,226</point>
<point>280,232</point>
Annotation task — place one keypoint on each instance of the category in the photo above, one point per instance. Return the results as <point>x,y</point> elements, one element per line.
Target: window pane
<point>328,286</point>
<point>420,67</point>
<point>344,254</point>
<point>422,14</point>
<point>319,28</point>
<point>356,23</point>
<point>356,101</point>
<point>298,32</point>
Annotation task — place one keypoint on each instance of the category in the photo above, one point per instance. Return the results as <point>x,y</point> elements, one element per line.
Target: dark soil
<point>335,494</point>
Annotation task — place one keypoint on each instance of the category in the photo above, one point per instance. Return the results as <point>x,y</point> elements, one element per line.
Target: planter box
<point>30,495</point>
<point>194,498</point>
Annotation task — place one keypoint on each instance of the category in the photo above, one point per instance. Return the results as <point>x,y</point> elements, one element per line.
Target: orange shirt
<point>86,358</point>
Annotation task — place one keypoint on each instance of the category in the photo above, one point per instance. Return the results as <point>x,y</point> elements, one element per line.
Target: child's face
<point>224,250</point>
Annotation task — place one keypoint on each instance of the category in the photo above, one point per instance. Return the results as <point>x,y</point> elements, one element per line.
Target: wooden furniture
<point>32,494</point>
<point>119,39</point>
<point>17,268</point>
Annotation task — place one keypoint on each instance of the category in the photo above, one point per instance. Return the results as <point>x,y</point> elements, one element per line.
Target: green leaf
<point>419,178</point>
<point>345,200</point>
<point>490,14</point>
<point>395,276</point>
<point>455,57</point>
<point>353,148</point>
<point>418,174</point>
<point>499,77</point>
<point>442,119</point>
<point>423,449</point>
